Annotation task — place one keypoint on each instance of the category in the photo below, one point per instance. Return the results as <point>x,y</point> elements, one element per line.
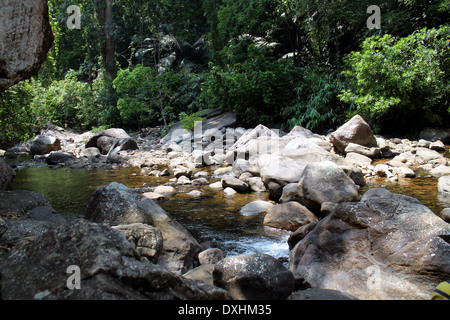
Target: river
<point>214,216</point>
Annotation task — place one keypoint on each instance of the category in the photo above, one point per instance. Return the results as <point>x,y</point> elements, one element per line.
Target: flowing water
<point>213,216</point>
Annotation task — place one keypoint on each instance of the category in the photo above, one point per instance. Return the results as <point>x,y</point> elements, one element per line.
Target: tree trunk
<point>105,18</point>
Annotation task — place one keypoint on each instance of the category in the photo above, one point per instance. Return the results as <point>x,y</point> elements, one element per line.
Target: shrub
<point>256,87</point>
<point>15,114</point>
<point>401,83</point>
<point>188,121</point>
<point>316,105</point>
<point>67,103</point>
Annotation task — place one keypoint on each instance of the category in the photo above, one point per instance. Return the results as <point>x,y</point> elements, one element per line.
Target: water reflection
<point>213,216</point>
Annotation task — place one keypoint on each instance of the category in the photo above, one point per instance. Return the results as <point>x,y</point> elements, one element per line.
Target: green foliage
<point>15,116</point>
<point>188,121</point>
<point>316,106</point>
<point>401,82</point>
<point>149,97</point>
<point>67,103</point>
<point>255,85</point>
<point>135,89</point>
<point>389,80</point>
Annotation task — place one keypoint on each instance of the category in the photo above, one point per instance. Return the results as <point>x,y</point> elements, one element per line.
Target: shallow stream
<point>213,216</point>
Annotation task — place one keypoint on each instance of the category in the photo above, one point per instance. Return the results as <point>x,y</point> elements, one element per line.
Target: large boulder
<point>286,166</point>
<point>109,139</point>
<point>57,157</point>
<point>44,145</point>
<point>254,142</point>
<point>6,175</point>
<point>110,269</point>
<point>25,39</point>
<point>289,216</point>
<point>325,182</point>
<point>254,277</point>
<point>356,131</point>
<point>117,204</point>
<point>388,246</point>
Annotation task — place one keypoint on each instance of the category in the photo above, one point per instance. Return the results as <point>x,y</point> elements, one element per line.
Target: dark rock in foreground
<point>110,269</point>
<point>254,277</point>
<point>116,204</point>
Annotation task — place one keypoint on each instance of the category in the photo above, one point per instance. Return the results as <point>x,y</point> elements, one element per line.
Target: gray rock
<point>90,152</point>
<point>179,171</point>
<point>256,184</point>
<point>107,139</point>
<point>290,193</point>
<point>114,157</point>
<point>110,269</point>
<point>325,182</point>
<point>445,215</point>
<point>440,171</point>
<point>287,166</point>
<point>248,145</point>
<point>56,157</point>
<point>26,38</point>
<point>203,273</point>
<point>229,191</point>
<point>254,277</point>
<point>126,144</point>
<point>169,190</point>
<point>357,159</point>
<point>116,204</point>
<point>396,243</point>
<point>437,145</point>
<point>211,256</point>
<point>444,185</point>
<point>255,207</point>
<point>299,234</point>
<point>365,151</point>
<point>26,214</point>
<point>44,145</point>
<point>3,227</point>
<point>236,184</point>
<point>434,134</point>
<point>357,131</point>
<point>289,216</point>
<point>105,144</point>
<point>19,203</point>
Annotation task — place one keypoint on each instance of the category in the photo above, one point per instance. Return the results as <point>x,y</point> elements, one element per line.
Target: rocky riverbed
<point>343,244</point>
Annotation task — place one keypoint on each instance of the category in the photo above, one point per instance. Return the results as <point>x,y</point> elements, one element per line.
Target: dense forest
<point>141,63</point>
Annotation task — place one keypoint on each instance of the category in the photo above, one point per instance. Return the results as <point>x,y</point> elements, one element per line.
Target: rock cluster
<point>343,244</point>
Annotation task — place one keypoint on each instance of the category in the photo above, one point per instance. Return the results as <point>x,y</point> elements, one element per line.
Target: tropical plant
<point>401,82</point>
